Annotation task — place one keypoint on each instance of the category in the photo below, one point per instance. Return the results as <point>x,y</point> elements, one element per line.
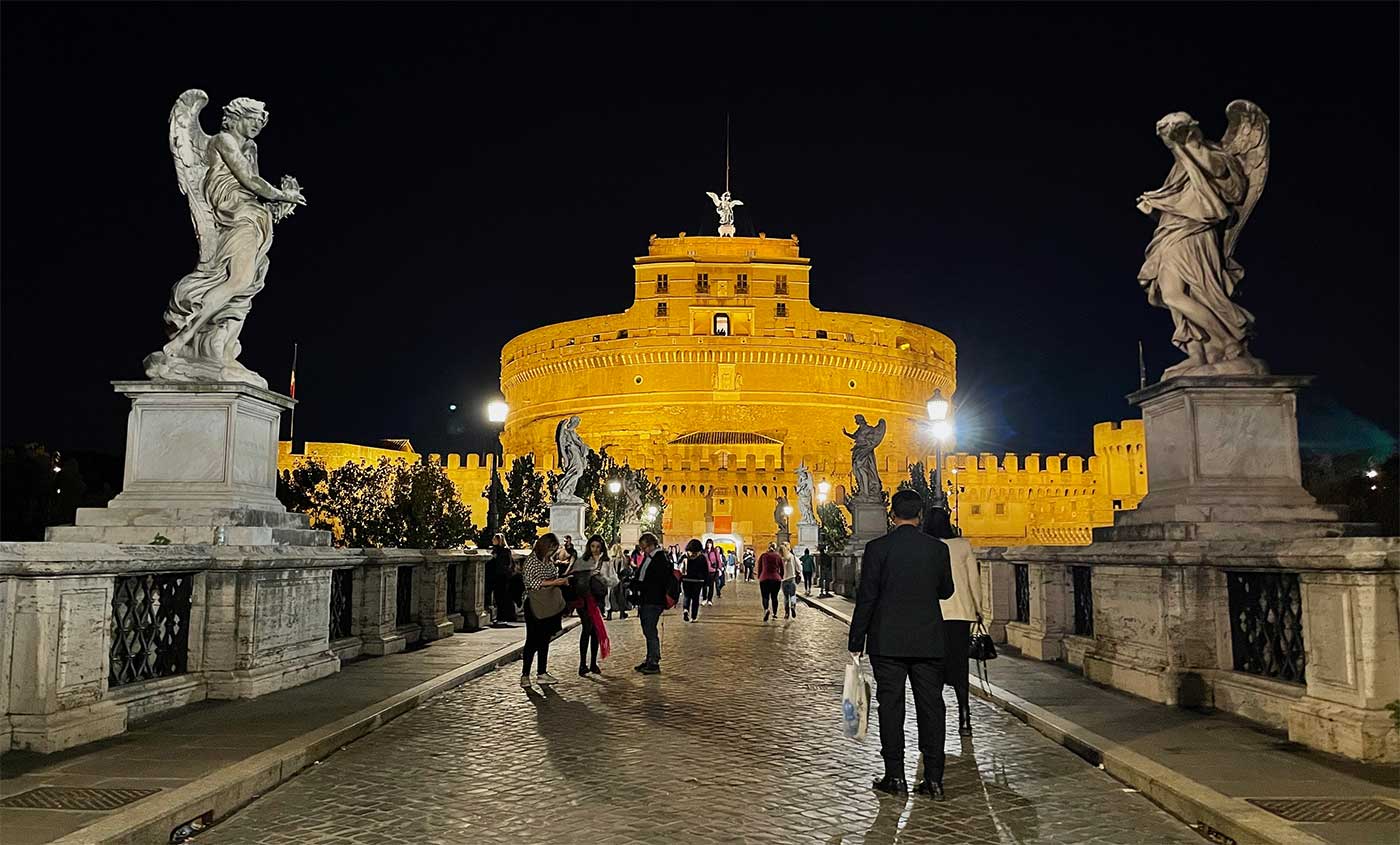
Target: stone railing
<point>92,635</point>
<point>1302,635</point>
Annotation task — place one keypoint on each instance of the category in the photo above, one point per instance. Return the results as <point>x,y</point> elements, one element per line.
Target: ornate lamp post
<point>823,491</point>
<point>942,429</point>
<point>496,412</point>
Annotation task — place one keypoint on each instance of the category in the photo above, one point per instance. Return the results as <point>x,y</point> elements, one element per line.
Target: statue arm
<point>244,171</point>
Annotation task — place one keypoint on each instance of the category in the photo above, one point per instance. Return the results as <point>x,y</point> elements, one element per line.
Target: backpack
<point>673,590</point>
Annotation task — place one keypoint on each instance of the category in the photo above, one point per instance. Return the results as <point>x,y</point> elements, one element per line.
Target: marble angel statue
<point>1190,267</point>
<point>724,207</point>
<point>863,468</point>
<point>233,209</point>
<point>805,491</point>
<point>573,460</point>
<point>780,517</point>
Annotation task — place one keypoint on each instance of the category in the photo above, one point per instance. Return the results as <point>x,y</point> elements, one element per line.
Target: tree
<point>833,531</point>
<point>40,489</point>
<point>921,482</point>
<point>525,509</point>
<point>388,504</point>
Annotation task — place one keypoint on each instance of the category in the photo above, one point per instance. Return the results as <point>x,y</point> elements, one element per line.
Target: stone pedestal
<point>630,534</point>
<point>868,521</point>
<point>1222,463</point>
<point>808,535</point>
<point>566,519</point>
<point>201,467</point>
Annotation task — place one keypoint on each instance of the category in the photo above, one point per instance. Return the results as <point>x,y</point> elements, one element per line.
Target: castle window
<point>782,309</point>
<point>661,309</point>
<point>621,334</point>
<point>1001,509</point>
<point>780,286</point>
<point>821,334</point>
<point>1118,504</point>
<point>597,338</point>
<point>663,283</point>
<point>903,343</point>
<point>741,285</point>
<point>702,282</point>
<point>976,510</point>
<point>722,324</point>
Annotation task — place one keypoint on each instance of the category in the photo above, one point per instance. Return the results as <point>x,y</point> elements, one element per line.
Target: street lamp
<point>823,490</point>
<point>787,510</point>
<point>496,412</point>
<point>942,430</point>
<point>614,487</point>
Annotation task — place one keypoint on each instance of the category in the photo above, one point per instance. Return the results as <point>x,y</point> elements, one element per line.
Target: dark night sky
<point>477,171</point>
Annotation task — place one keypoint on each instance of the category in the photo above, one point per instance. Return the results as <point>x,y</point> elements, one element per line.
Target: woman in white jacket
<point>959,610</point>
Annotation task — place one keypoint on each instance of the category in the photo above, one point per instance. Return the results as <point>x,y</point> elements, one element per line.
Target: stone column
<point>1351,630</point>
<point>472,592</point>
<point>999,591</point>
<point>60,661</point>
<point>375,608</point>
<point>1042,636</point>
<point>430,592</point>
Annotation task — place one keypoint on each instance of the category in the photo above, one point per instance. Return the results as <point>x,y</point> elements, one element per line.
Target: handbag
<point>981,647</point>
<point>546,602</point>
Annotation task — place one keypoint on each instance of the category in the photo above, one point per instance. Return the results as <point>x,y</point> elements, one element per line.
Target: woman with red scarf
<point>593,634</point>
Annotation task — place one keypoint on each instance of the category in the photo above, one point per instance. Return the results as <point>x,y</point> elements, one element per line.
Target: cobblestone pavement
<point>736,742</point>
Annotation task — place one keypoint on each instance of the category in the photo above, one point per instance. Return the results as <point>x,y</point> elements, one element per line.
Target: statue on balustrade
<point>1190,267</point>
<point>573,460</point>
<point>806,490</point>
<point>233,209</point>
<point>863,468</point>
<point>780,517</point>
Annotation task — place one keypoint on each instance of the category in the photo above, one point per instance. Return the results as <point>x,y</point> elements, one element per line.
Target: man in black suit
<point>898,623</point>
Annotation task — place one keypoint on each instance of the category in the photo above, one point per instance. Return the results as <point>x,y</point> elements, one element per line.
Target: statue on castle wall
<point>1190,268</point>
<point>724,207</point>
<point>573,460</point>
<point>806,490</point>
<point>233,209</point>
<point>863,468</point>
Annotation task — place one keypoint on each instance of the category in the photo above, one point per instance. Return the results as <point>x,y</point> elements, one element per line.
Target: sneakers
<point>765,616</point>
<point>685,616</point>
<point>525,681</point>
<point>545,679</point>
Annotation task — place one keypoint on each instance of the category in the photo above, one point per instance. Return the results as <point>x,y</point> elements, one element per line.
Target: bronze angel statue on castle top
<point>1190,267</point>
<point>233,209</point>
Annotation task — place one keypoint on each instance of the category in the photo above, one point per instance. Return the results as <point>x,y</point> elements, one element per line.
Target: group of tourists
<point>918,597</point>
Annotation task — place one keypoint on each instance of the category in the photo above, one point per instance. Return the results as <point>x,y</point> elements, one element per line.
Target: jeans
<point>651,616</point>
<point>925,675</point>
<point>692,598</point>
<point>790,596</point>
<point>587,638</point>
<point>807,581</point>
<point>768,590</point>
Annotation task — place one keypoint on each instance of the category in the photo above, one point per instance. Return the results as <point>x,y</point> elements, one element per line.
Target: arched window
<point>722,324</point>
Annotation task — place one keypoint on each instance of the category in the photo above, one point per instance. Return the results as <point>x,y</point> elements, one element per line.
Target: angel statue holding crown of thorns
<point>233,210</point>
<point>1190,267</point>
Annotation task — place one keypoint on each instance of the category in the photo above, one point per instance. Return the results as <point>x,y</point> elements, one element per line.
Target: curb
<point>1205,810</point>
<point>215,796</point>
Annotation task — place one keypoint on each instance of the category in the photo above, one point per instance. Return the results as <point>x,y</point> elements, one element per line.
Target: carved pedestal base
<point>868,521</point>
<point>566,520</point>
<point>201,467</point>
<point>808,536</point>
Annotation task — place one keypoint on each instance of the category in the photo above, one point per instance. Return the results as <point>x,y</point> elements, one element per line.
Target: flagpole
<point>292,427</point>
<point>1142,368</point>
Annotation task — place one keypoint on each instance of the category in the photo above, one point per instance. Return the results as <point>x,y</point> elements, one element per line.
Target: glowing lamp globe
<point>497,410</point>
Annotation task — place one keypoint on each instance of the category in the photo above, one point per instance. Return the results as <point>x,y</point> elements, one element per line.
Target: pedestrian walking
<point>544,606</point>
<point>655,591</point>
<point>791,566</point>
<point>770,579</point>
<point>749,565</point>
<point>959,612</point>
<point>621,565</point>
<point>809,569</point>
<point>695,580</point>
<point>827,568</point>
<point>502,570</point>
<point>714,556</point>
<point>732,565</point>
<point>898,622</point>
<point>591,588</point>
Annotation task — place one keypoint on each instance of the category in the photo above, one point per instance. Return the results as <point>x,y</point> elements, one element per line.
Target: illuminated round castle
<point>721,378</point>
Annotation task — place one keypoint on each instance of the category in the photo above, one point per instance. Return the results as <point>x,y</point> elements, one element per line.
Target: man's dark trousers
<point>926,677</point>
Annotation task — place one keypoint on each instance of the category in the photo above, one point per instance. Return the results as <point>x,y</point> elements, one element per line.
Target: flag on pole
<point>293,391</point>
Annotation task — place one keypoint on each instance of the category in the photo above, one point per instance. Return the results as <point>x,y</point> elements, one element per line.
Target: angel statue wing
<point>733,203</point>
<point>1247,138</point>
<point>188,145</point>
<point>714,197</point>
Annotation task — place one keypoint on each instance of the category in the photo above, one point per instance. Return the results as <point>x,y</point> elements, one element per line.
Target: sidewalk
<point>1206,768</point>
<point>215,756</point>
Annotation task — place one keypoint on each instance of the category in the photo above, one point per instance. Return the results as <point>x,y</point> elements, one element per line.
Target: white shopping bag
<point>855,701</point>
